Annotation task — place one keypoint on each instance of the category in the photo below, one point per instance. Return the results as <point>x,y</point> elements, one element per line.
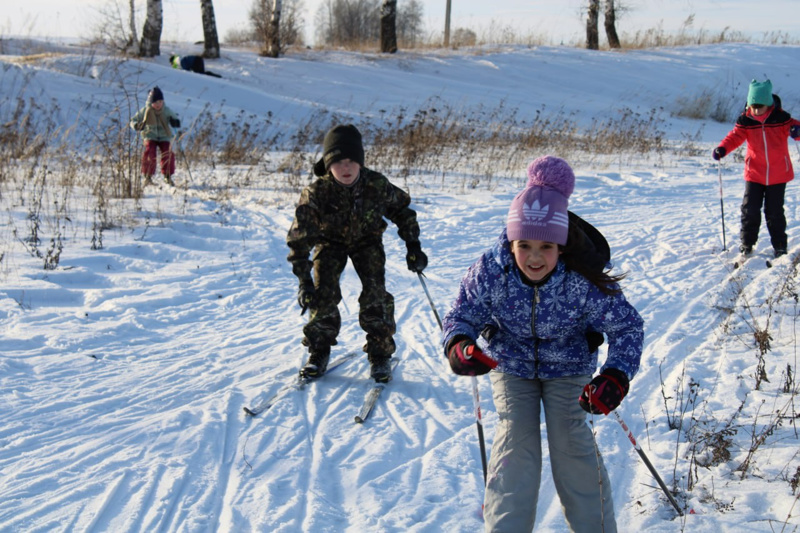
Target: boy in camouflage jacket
<point>340,216</point>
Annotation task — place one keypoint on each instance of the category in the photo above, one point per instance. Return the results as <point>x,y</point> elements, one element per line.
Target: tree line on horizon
<point>277,24</point>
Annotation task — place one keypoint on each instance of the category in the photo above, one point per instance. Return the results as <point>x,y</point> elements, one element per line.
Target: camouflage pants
<point>376,306</point>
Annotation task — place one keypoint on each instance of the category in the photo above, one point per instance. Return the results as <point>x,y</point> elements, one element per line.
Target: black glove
<point>415,259</point>
<point>139,126</point>
<point>605,392</point>
<point>719,153</point>
<point>466,359</point>
<point>794,131</point>
<point>174,122</point>
<point>306,295</point>
<point>595,340</point>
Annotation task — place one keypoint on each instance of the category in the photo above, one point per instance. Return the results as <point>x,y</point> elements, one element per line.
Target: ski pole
<point>476,399</point>
<point>430,300</point>
<point>647,461</point>
<point>721,206</point>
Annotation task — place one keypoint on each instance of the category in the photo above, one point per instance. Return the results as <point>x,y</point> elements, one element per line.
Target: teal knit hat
<point>760,93</point>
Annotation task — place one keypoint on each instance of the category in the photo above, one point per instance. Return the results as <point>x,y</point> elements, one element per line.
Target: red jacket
<point>767,159</point>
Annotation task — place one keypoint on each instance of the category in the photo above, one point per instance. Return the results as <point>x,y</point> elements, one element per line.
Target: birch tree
<point>592,37</point>
<point>210,38</point>
<point>132,42</point>
<point>151,34</point>
<point>610,23</point>
<point>389,26</point>
<point>274,45</point>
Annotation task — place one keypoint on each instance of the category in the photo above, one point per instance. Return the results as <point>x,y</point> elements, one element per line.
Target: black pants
<point>771,197</point>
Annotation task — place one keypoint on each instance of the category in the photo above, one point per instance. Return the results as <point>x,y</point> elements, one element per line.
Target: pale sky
<point>558,20</point>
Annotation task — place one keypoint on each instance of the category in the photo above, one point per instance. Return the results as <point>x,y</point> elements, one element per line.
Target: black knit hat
<point>341,142</point>
<point>155,95</point>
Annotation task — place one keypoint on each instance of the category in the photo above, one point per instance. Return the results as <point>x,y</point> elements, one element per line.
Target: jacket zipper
<point>533,330</point>
<point>766,152</point>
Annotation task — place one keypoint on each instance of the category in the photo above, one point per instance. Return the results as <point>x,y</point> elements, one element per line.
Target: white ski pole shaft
<point>476,399</point>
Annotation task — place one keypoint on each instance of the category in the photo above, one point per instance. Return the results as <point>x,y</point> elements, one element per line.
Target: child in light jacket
<point>154,122</point>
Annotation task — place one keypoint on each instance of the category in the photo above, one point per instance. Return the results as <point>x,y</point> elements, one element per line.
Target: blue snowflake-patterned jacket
<point>545,340</point>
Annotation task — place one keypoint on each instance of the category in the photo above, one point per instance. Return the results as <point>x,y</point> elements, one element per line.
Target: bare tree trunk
<point>447,25</point>
<point>389,26</point>
<point>210,39</point>
<point>151,34</point>
<point>592,37</point>
<point>274,47</point>
<point>133,42</point>
<point>611,25</point>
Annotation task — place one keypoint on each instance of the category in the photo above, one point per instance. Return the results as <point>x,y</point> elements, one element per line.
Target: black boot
<point>380,369</point>
<point>317,362</point>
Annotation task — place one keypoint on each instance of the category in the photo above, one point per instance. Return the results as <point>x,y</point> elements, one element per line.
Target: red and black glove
<point>466,359</point>
<point>605,392</point>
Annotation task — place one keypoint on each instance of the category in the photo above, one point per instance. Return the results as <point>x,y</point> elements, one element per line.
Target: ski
<point>372,397</point>
<point>742,259</point>
<point>298,383</point>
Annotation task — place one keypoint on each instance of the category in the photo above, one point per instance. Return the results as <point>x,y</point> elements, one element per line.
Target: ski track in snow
<point>123,372</point>
<point>163,379</point>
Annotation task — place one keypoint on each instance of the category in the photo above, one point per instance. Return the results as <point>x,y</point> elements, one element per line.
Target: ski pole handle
<point>477,353</point>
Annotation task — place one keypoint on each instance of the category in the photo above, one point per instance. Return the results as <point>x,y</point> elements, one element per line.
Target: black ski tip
<point>359,420</point>
<point>248,412</point>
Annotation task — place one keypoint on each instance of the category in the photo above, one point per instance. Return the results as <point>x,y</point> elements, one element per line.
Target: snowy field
<point>124,371</point>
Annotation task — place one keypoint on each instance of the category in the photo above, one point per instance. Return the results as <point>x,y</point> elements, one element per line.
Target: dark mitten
<point>306,295</point>
<point>174,122</point>
<point>466,359</point>
<point>794,131</point>
<point>605,392</point>
<point>595,340</point>
<point>415,258</point>
<point>719,153</point>
<point>139,126</point>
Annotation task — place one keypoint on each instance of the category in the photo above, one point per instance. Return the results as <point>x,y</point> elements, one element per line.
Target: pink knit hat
<point>539,212</point>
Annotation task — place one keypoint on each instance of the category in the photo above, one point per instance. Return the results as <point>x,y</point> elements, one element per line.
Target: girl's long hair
<point>581,256</point>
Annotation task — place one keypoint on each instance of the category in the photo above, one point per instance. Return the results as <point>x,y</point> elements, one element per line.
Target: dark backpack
<point>594,249</point>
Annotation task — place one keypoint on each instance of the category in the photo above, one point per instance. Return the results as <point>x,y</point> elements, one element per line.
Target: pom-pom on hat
<point>760,92</point>
<point>155,95</point>
<point>539,212</point>
<point>553,172</point>
<point>341,142</point>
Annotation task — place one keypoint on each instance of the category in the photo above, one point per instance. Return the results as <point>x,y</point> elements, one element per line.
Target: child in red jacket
<point>764,125</point>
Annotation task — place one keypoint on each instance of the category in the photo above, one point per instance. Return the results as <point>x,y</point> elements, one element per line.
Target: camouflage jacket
<point>331,214</point>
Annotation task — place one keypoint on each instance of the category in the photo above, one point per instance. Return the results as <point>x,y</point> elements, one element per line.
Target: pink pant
<point>149,158</point>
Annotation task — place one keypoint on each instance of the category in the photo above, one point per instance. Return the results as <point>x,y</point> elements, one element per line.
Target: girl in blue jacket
<point>534,290</point>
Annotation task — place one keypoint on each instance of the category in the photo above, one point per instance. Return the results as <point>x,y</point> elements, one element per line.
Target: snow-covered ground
<point>123,372</point>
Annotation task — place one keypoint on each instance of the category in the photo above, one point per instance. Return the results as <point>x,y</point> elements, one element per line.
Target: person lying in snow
<point>192,64</point>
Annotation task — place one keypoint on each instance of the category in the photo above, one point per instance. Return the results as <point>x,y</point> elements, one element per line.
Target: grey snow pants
<point>515,465</point>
